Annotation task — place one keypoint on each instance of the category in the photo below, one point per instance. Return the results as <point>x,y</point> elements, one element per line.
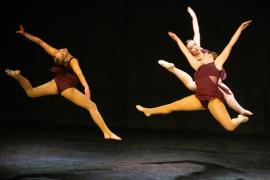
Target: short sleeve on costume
<point>223,75</point>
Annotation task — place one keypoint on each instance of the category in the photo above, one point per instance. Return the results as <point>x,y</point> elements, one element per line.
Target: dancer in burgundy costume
<point>208,95</point>
<point>67,74</point>
<point>194,47</point>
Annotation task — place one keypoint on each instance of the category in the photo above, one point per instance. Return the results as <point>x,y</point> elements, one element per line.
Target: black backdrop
<point>118,44</point>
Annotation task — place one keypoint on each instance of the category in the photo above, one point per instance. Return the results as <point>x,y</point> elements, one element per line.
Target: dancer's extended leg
<point>190,103</point>
<point>181,75</point>
<point>219,111</point>
<point>48,88</point>
<point>81,100</point>
<point>232,102</point>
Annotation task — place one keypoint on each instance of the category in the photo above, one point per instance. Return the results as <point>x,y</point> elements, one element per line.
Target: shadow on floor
<point>80,153</point>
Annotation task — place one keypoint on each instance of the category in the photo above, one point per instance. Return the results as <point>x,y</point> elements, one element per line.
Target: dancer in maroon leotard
<point>208,95</point>
<point>64,76</point>
<point>68,73</point>
<point>194,47</point>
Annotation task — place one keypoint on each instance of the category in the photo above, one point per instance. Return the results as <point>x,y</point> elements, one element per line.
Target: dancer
<point>208,95</point>
<point>67,73</point>
<point>194,47</point>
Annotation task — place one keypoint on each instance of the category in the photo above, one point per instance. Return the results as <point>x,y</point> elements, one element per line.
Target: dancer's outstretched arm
<point>195,25</point>
<point>76,68</point>
<point>191,59</point>
<point>49,49</point>
<point>221,59</point>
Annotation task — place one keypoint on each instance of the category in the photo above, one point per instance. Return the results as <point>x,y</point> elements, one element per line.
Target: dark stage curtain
<point>118,44</point>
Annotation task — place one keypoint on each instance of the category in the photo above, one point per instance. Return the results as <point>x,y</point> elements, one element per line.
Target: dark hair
<point>214,54</point>
<point>57,60</point>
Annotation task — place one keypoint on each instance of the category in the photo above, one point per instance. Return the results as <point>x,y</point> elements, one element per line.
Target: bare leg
<point>181,75</point>
<point>81,100</point>
<point>48,88</point>
<point>232,103</point>
<point>218,110</point>
<point>190,103</point>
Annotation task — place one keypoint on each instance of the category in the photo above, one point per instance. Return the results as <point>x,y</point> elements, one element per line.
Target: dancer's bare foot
<point>243,118</point>
<point>246,113</point>
<point>142,109</point>
<point>112,136</point>
<point>12,73</point>
<point>166,65</point>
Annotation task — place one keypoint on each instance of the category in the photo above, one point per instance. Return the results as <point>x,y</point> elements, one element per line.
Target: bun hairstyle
<point>214,54</point>
<point>56,60</point>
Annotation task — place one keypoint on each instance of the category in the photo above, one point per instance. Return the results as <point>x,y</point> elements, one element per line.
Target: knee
<point>92,106</point>
<point>191,86</point>
<point>30,93</point>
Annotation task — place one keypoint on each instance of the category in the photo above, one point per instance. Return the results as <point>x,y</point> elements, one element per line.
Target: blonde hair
<point>189,40</point>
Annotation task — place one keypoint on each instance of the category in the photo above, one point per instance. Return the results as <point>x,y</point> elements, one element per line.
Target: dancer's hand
<point>245,24</point>
<point>173,36</point>
<point>87,92</point>
<point>191,12</point>
<point>21,30</point>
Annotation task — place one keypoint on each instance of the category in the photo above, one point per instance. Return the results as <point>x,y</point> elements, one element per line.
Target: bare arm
<point>221,59</point>
<point>192,61</point>
<point>50,50</point>
<point>76,68</point>
<point>195,25</point>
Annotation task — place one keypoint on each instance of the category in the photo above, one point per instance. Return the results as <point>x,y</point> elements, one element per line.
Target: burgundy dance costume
<point>65,77</point>
<point>206,78</point>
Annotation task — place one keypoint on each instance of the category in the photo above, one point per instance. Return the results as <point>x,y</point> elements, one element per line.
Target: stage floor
<point>81,153</point>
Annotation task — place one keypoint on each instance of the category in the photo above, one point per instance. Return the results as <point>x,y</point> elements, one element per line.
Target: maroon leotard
<point>64,76</point>
<point>206,78</point>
